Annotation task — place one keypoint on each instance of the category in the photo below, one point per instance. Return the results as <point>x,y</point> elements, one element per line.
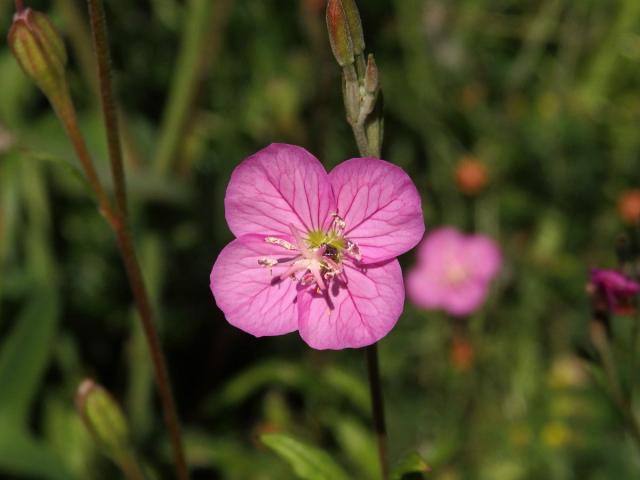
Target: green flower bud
<point>104,419</point>
<point>40,51</point>
<point>355,25</point>
<point>371,76</point>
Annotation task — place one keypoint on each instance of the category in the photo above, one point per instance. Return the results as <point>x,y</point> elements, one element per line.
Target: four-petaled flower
<point>617,291</point>
<point>453,271</point>
<point>316,252</point>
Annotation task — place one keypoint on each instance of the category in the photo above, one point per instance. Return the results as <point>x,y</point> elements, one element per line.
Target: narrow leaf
<point>308,463</point>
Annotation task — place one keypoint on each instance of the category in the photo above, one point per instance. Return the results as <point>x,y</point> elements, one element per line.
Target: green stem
<point>103,57</point>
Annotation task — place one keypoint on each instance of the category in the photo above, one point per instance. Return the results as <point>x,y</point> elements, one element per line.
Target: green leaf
<point>309,463</point>
<point>24,356</point>
<point>23,456</point>
<point>410,467</point>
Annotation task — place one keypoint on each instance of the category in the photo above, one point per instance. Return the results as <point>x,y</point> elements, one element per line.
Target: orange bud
<point>471,175</point>
<point>462,353</point>
<point>629,206</point>
<point>345,30</point>
<point>39,50</point>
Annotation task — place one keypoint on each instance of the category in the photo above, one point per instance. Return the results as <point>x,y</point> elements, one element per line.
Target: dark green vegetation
<point>546,93</point>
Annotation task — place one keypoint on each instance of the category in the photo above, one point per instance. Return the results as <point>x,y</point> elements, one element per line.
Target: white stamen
<point>338,222</point>
<point>353,250</point>
<point>280,242</point>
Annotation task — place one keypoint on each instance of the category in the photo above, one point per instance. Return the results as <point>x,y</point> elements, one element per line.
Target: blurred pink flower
<point>616,290</point>
<point>453,271</point>
<point>316,252</point>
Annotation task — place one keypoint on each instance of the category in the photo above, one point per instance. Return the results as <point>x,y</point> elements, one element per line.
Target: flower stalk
<point>361,93</point>
<point>101,49</point>
<point>377,405</point>
<point>360,77</point>
<point>41,53</point>
<point>124,239</point>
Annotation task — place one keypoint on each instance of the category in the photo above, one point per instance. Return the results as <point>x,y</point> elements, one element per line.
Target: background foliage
<point>545,92</point>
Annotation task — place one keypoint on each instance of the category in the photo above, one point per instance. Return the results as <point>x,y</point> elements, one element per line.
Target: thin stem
<point>66,112</point>
<point>101,49</point>
<point>19,5</point>
<point>360,134</point>
<point>136,281</point>
<point>377,406</point>
<point>132,469</point>
<point>123,236</point>
<point>601,342</point>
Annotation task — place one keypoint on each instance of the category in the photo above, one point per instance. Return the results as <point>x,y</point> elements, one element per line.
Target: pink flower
<point>617,291</point>
<point>316,252</point>
<point>453,271</point>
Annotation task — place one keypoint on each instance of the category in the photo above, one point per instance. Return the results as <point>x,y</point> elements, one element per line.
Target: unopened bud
<point>471,175</point>
<point>629,206</point>
<point>355,25</point>
<point>104,419</point>
<point>371,77</point>
<point>345,30</point>
<point>40,51</point>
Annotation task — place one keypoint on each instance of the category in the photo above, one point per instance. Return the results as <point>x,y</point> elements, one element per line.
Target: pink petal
<point>465,299</point>
<point>248,293</point>
<point>443,242</point>
<point>279,186</point>
<point>355,316</point>
<point>424,290</point>
<point>380,205</point>
<point>483,256</point>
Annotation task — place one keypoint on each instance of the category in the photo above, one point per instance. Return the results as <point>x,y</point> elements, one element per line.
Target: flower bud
<point>629,206</point>
<point>104,419</point>
<point>39,50</point>
<point>371,76</point>
<point>471,176</point>
<point>345,30</point>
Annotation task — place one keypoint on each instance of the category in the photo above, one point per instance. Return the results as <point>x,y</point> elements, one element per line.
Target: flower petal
<point>466,299</point>
<point>250,295</point>
<point>423,289</point>
<point>380,205</point>
<point>279,186</point>
<point>484,255</point>
<point>356,315</point>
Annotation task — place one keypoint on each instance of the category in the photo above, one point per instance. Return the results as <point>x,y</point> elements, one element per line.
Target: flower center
<point>318,257</point>
<point>456,274</point>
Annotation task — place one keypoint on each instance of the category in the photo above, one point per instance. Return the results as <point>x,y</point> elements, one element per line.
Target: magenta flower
<point>316,252</point>
<point>453,271</point>
<point>616,290</point>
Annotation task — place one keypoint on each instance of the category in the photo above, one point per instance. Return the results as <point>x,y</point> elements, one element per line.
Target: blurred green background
<point>545,92</point>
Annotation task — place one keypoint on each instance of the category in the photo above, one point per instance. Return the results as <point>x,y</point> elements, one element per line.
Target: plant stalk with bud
<point>41,53</point>
<point>363,106</point>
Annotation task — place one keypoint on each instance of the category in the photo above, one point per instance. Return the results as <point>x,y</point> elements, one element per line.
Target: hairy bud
<point>40,51</point>
<point>104,419</point>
